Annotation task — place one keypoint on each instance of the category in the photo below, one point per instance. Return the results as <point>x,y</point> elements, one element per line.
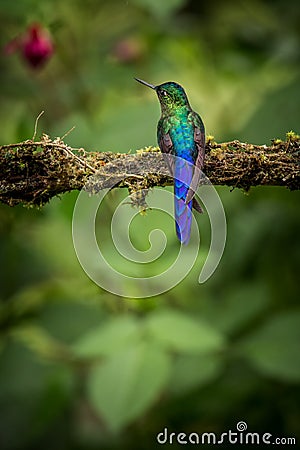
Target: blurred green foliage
<point>83,369</point>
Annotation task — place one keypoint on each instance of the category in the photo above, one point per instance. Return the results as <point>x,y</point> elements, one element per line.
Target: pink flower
<point>35,46</point>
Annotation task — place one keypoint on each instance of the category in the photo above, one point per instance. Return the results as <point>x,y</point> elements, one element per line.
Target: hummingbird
<point>181,133</point>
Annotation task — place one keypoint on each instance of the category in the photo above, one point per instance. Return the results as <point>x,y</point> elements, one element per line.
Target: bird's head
<point>171,95</point>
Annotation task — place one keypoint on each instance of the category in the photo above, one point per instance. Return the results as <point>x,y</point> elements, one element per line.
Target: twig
<point>36,124</point>
<point>68,132</point>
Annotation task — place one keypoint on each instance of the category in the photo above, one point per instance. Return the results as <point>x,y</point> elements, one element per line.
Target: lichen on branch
<point>32,172</point>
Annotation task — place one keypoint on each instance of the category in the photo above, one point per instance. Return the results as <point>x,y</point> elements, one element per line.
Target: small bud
<point>37,46</point>
<point>127,50</point>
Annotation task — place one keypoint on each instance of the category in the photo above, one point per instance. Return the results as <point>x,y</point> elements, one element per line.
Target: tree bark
<point>33,172</point>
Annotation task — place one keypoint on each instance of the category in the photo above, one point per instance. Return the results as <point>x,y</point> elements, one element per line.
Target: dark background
<point>81,368</point>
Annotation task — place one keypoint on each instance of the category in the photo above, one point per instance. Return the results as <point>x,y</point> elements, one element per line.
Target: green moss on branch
<point>32,172</point>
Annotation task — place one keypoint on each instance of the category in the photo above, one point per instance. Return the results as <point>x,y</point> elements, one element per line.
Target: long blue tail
<point>183,212</point>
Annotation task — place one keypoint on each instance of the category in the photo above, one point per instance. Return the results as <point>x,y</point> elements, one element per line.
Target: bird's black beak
<point>145,83</point>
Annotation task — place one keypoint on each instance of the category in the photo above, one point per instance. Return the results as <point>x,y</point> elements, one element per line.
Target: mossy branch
<point>32,172</point>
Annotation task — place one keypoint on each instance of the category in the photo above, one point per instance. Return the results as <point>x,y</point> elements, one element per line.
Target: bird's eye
<point>164,93</point>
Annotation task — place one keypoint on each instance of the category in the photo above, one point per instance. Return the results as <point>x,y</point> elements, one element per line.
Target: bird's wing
<point>166,145</point>
<point>199,139</point>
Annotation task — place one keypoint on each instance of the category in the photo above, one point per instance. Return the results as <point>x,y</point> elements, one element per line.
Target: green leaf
<point>108,338</point>
<point>239,306</point>
<point>124,386</point>
<point>274,348</point>
<point>34,395</point>
<point>192,371</point>
<point>180,332</point>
